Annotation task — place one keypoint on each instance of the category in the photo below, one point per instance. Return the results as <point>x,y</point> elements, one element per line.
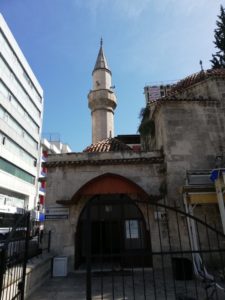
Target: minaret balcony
<point>103,98</point>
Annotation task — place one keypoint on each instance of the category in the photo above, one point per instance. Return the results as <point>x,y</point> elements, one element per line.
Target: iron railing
<point>13,260</point>
<point>149,250</point>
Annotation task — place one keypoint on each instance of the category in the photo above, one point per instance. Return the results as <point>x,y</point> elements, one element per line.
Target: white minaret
<point>102,100</point>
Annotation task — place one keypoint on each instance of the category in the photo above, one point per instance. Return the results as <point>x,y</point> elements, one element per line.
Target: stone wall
<point>211,88</point>
<point>37,272</point>
<point>67,177</point>
<point>191,130</point>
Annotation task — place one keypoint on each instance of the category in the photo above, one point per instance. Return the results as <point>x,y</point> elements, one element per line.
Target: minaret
<point>102,100</point>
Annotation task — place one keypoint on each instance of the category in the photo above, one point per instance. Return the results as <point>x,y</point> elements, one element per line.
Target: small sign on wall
<point>132,229</point>
<point>56,213</point>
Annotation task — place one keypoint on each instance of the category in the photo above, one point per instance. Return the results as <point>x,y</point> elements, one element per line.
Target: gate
<point>183,260</point>
<point>13,259</point>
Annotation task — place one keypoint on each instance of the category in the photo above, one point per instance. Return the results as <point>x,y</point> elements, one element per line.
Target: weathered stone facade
<point>68,173</point>
<point>102,100</point>
<point>190,127</point>
<point>189,131</point>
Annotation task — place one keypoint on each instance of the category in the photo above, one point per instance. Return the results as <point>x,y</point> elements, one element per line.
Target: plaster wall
<point>102,104</point>
<point>102,79</point>
<point>102,125</point>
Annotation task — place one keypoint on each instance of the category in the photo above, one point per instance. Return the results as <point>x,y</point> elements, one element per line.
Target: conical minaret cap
<point>101,62</point>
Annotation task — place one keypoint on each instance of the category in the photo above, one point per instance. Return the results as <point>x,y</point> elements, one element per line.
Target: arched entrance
<point>112,232</point>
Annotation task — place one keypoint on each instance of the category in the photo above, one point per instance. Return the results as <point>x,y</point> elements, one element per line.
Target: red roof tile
<point>108,145</point>
<point>195,78</point>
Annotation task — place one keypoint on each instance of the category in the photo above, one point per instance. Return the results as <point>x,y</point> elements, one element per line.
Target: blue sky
<point>145,41</point>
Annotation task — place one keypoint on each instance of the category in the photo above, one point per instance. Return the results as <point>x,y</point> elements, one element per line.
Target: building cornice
<point>108,158</point>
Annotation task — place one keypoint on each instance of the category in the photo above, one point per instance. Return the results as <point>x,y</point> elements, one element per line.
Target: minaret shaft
<point>102,100</point>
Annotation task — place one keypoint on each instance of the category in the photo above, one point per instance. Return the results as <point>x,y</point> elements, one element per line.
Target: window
<point>6,116</point>
<point>12,76</point>
<point>15,61</point>
<point>15,149</point>
<point>21,94</point>
<point>13,170</point>
<point>16,126</point>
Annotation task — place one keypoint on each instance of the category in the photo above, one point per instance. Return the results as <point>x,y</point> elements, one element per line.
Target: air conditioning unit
<point>59,266</point>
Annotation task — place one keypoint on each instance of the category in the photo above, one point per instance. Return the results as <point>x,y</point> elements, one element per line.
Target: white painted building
<point>21,111</point>
<point>47,148</point>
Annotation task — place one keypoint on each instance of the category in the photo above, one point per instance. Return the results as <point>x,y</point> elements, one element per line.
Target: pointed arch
<point>109,183</point>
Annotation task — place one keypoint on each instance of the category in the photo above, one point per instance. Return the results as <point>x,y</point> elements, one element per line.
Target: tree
<point>146,128</point>
<point>218,60</point>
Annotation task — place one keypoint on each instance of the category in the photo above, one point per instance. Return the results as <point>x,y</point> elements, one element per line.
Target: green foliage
<point>147,126</point>
<point>144,113</point>
<point>218,60</point>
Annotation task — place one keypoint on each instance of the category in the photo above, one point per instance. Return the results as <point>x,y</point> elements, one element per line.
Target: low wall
<point>38,270</point>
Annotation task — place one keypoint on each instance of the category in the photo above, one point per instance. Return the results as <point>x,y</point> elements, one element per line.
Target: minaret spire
<point>101,62</point>
<point>101,99</point>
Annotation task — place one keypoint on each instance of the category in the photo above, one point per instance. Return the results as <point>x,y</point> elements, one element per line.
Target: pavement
<point>124,285</point>
<point>62,288</point>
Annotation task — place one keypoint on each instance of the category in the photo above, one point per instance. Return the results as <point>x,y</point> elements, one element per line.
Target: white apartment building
<point>21,110</point>
<point>154,92</point>
<point>47,148</point>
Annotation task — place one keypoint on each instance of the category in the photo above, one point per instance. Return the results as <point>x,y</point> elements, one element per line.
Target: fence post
<point>88,252</point>
<point>49,240</point>
<point>2,268</point>
<point>22,286</point>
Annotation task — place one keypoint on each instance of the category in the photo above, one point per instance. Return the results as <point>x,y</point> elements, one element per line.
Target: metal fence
<point>13,259</point>
<point>44,240</point>
<point>149,250</point>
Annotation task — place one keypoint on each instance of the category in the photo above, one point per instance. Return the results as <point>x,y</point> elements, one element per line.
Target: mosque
<point>96,200</point>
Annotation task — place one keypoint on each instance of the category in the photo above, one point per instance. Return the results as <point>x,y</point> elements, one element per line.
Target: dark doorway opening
<point>112,230</point>
<point>105,237</point>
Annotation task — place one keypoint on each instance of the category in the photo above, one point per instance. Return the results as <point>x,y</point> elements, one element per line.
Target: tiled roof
<point>195,78</point>
<point>108,145</point>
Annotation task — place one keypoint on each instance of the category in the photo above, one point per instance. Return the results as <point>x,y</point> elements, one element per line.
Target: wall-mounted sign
<point>11,209</point>
<point>132,229</point>
<point>56,213</point>
<point>12,201</point>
